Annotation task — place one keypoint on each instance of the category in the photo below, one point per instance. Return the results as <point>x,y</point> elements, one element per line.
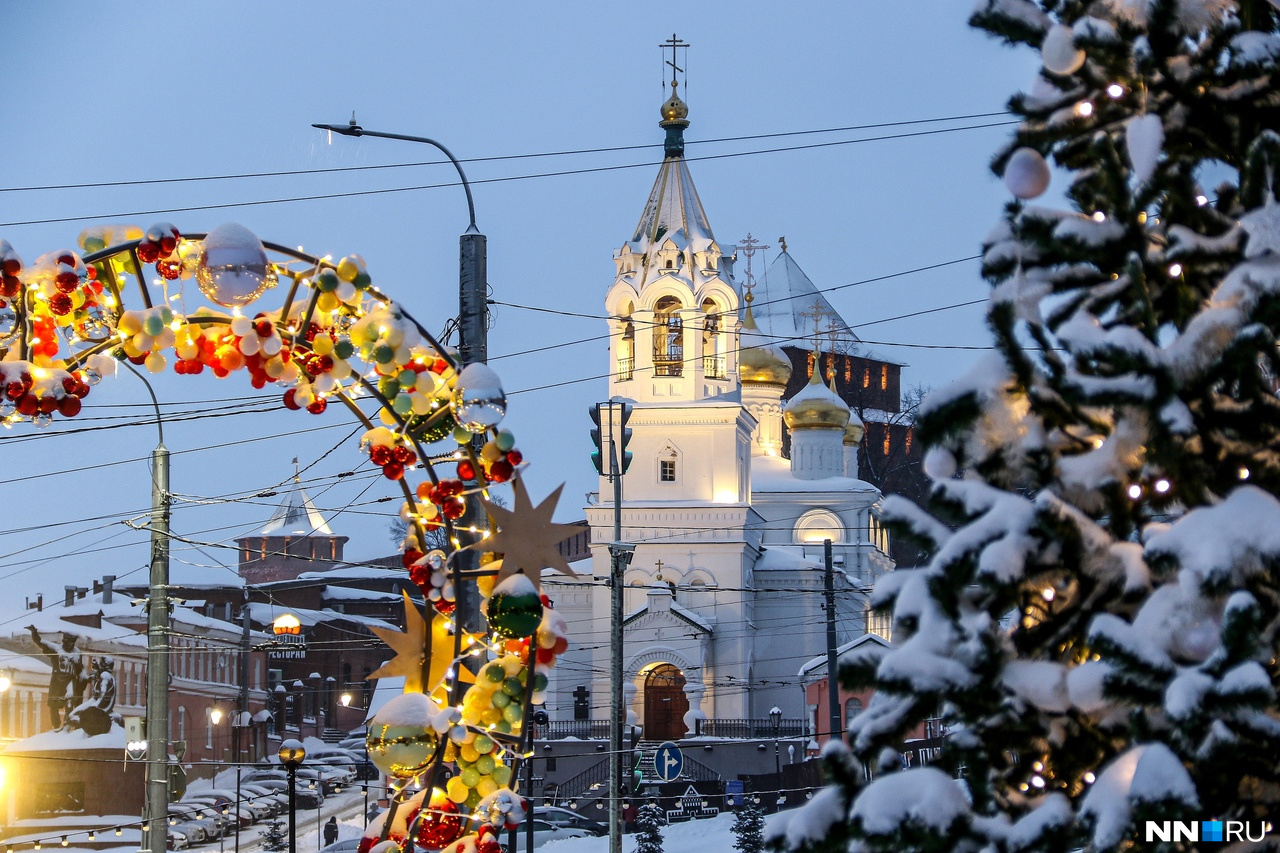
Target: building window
<point>880,622</point>
<point>810,362</point>
<point>668,338</point>
<point>907,446</point>
<point>884,377</point>
<point>627,352</point>
<point>866,377</point>
<point>182,723</point>
<point>887,447</point>
<point>667,470</point>
<point>848,370</point>
<point>713,357</point>
<point>852,708</point>
<point>208,733</point>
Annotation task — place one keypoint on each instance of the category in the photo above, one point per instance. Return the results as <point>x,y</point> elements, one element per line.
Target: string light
<point>1084,109</point>
<point>1243,473</point>
<point>1135,491</point>
<point>1089,777</point>
<point>1201,200</point>
<point>1115,90</point>
<point>1047,593</point>
<point>1175,270</point>
<point>1099,216</point>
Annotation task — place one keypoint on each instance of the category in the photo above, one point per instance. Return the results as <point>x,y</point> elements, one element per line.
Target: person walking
<point>331,831</point>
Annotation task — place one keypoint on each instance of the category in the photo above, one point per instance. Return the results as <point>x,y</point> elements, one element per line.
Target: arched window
<point>818,525</point>
<point>713,348</point>
<point>852,708</point>
<point>668,338</point>
<point>627,352</point>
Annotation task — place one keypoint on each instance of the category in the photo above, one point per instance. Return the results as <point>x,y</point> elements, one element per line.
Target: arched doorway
<point>664,703</point>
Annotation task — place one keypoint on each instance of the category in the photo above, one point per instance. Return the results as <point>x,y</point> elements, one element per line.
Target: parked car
<point>569,818</point>
<point>219,799</point>
<point>220,807</point>
<point>177,840</point>
<point>306,798</point>
<point>259,775</point>
<point>352,743</point>
<point>190,822</point>
<point>347,845</point>
<point>267,796</point>
<point>542,833</point>
<point>225,822</point>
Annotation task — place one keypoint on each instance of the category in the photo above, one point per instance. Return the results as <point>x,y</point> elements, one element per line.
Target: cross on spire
<point>816,312</point>
<point>675,44</point>
<point>749,246</point>
<point>659,566</point>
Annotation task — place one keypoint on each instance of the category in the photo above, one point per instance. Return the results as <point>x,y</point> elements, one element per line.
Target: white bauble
<point>1026,174</point>
<point>1058,51</point>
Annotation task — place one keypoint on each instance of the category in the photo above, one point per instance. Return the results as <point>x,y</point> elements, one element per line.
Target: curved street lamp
<point>291,754</point>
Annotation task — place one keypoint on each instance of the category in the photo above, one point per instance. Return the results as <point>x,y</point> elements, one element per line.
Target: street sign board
<point>668,761</point>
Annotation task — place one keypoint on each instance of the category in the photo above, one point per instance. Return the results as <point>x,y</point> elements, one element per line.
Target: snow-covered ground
<point>695,836</point>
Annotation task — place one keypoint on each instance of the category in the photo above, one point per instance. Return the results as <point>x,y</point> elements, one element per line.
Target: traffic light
<point>605,439</point>
<point>597,455</point>
<point>625,416</point>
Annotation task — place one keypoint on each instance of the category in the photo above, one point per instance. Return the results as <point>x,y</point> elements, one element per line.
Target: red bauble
<point>48,404</point>
<point>69,406</point>
<point>466,471</point>
<point>138,359</point>
<point>440,825</point>
<point>264,327</point>
<point>408,558</point>
<point>379,454</point>
<point>14,390</point>
<point>148,252</point>
<point>501,471</point>
<point>169,269</point>
<point>60,304</point>
<point>10,286</point>
<point>318,405</point>
<point>515,457</point>
<point>167,244</point>
<point>11,266</point>
<point>453,508</point>
<point>403,455</point>
<point>290,399</point>
<point>366,844</point>
<point>66,281</point>
<point>27,405</point>
<point>393,471</point>
<point>70,384</point>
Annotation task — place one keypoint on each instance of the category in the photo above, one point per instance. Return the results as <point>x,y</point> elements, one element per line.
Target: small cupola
<point>815,406</point>
<point>759,360</point>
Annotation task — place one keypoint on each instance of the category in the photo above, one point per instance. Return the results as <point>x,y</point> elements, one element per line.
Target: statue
<point>66,683</point>
<point>96,714</point>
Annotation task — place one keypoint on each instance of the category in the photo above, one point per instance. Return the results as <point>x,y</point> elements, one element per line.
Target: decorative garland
<point>64,326</point>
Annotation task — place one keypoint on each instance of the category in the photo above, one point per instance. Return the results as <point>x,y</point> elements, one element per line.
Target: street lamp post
<point>291,754</point>
<point>775,717</point>
<point>473,324</point>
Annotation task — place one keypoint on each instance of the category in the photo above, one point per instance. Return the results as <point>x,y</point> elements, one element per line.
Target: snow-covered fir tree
<point>1097,624</point>
<point>748,825</point>
<point>649,823</point>
<point>274,836</point>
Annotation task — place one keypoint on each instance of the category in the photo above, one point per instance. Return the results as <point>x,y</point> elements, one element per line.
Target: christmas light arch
<point>334,337</point>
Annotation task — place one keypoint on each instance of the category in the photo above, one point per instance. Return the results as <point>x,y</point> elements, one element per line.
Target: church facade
<point>737,480</point>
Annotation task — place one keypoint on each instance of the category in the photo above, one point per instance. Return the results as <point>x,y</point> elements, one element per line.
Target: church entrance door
<point>664,703</point>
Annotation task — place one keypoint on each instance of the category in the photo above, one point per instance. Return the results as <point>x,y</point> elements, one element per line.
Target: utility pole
<point>157,807</point>
<point>829,591</point>
<point>619,558</point>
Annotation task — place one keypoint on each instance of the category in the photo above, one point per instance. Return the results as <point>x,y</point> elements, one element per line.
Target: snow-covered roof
<point>265,614</point>
<point>346,593</point>
<point>73,740</point>
<point>820,661</point>
<point>349,572</point>
<point>782,298</point>
<point>673,212</point>
<point>773,474</point>
<point>775,559</point>
<point>297,516</point>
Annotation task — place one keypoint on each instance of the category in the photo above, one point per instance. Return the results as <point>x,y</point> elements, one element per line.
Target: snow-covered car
<point>542,833</point>
<point>305,797</point>
<point>569,818</point>
<point>177,840</point>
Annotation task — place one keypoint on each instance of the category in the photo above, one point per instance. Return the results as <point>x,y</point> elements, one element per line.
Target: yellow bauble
<point>322,345</point>
<point>155,363</point>
<point>487,786</point>
<point>485,585</point>
<point>468,753</point>
<point>456,791</point>
<point>328,301</point>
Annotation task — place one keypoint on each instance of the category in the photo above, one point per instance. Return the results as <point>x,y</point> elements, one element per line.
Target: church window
<point>880,622</point>
<point>810,364</point>
<point>866,377</point>
<point>907,446</point>
<point>887,448</point>
<point>818,525</point>
<point>668,338</point>
<point>852,708</point>
<point>670,263</point>
<point>713,356</point>
<point>627,352</point>
<point>884,377</point>
<point>848,370</point>
<point>831,365</point>
<point>667,465</point>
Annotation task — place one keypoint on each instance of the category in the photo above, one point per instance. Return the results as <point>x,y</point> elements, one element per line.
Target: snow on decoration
<point>1026,174</point>
<point>65,322</point>
<point>1058,51</point>
<point>1263,227</point>
<point>1144,139</point>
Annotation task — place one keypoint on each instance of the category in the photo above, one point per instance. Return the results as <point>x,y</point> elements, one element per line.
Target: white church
<point>724,594</point>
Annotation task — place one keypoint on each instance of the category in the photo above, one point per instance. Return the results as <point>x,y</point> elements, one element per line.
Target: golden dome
<point>674,109</point>
<point>853,430</point>
<point>816,406</point>
<point>759,361</point>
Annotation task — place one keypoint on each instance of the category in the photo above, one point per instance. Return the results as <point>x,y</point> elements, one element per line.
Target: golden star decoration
<point>411,651</point>
<point>527,538</point>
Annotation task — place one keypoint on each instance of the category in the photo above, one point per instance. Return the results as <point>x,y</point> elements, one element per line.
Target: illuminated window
<point>908,443</point>
<point>884,377</point>
<point>848,370</point>
<point>880,622</point>
<point>810,363</point>
<point>866,377</point>
<point>668,338</point>
<point>886,440</point>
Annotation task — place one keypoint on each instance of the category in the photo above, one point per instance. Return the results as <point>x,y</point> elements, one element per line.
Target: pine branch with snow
<point>1098,626</point>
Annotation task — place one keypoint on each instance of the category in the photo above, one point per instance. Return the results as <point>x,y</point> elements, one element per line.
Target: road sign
<point>668,761</point>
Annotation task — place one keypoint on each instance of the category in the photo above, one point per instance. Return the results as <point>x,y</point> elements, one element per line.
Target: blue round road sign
<point>668,761</point>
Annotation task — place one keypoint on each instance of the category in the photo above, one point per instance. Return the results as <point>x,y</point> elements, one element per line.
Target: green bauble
<point>401,741</point>
<point>515,608</point>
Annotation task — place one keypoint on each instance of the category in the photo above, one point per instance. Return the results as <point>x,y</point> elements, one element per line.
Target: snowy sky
<point>139,91</point>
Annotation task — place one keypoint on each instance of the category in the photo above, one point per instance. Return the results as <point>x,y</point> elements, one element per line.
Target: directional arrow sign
<point>668,761</point>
